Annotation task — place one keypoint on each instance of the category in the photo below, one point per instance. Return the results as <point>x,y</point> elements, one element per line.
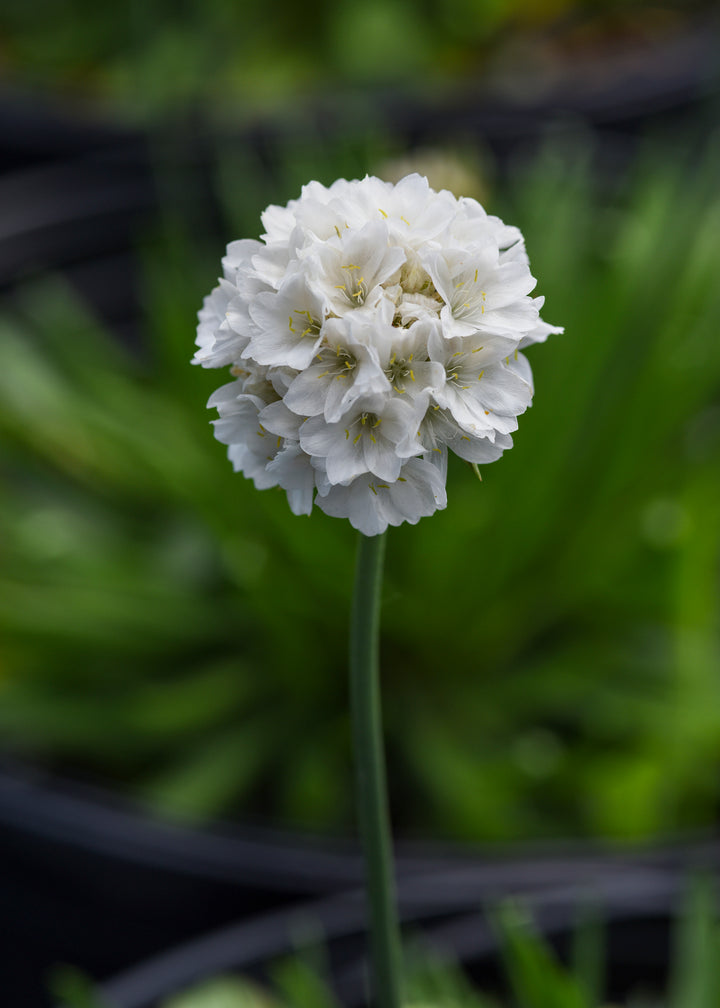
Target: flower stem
<point>372,798</point>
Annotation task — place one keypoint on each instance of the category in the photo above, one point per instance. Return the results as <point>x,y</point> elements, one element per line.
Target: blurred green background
<point>551,641</point>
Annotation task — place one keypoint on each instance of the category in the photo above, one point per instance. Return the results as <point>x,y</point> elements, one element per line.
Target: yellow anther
<point>400,391</point>
<point>487,412</point>
<point>363,418</point>
<point>477,349</point>
<point>370,484</point>
<point>464,437</point>
<point>482,309</point>
<point>481,374</point>
<point>412,375</point>
<point>279,441</point>
<point>410,357</point>
<point>516,354</point>
<point>377,422</point>
<point>507,361</point>
<point>401,479</point>
<point>406,221</point>
<point>323,374</point>
<point>461,284</point>
<point>290,323</point>
<point>347,434</point>
<point>383,213</point>
<point>337,230</point>
<point>458,353</point>
<point>372,438</point>
<point>355,440</point>
<point>350,266</point>
<point>476,274</point>
<point>437,449</point>
<point>383,486</point>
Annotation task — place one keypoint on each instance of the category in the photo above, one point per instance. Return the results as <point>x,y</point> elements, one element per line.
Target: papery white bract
<point>374,327</point>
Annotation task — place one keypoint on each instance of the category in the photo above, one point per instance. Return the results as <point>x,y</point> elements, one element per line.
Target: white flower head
<point>372,329</point>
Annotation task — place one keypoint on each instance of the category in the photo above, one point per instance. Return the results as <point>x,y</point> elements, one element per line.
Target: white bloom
<point>374,438</point>
<point>371,330</point>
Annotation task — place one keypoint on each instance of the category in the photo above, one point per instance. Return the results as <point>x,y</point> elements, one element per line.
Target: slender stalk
<point>372,798</point>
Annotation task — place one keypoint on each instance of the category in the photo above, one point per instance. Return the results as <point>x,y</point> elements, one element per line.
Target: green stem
<point>370,769</point>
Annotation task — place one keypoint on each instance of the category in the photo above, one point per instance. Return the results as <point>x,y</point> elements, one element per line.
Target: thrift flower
<point>373,328</point>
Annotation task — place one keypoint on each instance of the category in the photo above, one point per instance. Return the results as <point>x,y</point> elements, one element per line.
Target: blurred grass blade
<point>695,979</point>
<point>536,977</point>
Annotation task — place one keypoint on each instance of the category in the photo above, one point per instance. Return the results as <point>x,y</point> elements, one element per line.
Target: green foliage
<point>155,57</point>
<point>223,992</point>
<point>550,641</point>
<point>73,989</point>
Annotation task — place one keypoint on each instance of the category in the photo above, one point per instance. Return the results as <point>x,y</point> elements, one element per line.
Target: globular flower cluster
<point>372,328</point>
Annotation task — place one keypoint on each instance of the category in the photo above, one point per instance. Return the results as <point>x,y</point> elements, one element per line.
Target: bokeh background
<point>551,641</point>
